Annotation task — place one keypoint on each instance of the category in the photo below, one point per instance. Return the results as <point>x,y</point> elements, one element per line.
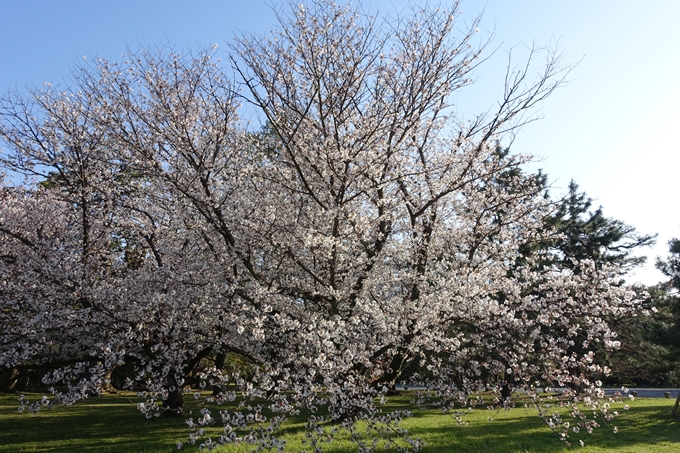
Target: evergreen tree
<point>580,233</point>
<point>664,327</point>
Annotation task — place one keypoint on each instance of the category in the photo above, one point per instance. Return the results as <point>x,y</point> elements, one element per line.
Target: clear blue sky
<point>614,129</point>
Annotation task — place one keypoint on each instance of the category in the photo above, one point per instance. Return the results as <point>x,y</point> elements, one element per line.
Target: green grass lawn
<point>113,424</point>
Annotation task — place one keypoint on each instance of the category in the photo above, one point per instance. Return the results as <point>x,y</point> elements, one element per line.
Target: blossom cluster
<point>364,230</point>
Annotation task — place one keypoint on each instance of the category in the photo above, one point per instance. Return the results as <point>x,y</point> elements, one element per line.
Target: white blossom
<point>364,229</point>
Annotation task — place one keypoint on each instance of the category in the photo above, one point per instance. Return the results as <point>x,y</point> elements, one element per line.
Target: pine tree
<point>581,233</point>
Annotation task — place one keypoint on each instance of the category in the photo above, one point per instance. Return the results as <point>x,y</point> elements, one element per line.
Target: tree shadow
<point>645,428</point>
<point>114,425</point>
<point>97,425</point>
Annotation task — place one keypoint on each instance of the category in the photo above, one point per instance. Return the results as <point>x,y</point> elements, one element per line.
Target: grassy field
<point>113,424</point>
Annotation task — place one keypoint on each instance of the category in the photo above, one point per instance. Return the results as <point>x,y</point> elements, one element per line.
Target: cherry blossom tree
<point>367,229</point>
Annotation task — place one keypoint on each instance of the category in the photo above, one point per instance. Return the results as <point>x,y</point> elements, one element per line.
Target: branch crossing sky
<point>614,129</point>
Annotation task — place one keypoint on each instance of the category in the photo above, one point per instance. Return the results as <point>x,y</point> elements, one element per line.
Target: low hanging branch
<point>363,230</point>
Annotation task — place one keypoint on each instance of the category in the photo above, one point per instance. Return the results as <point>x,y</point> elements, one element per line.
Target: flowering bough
<point>364,230</point>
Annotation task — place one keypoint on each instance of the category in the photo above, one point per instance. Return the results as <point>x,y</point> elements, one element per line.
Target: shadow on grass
<point>648,428</point>
<point>113,424</point>
<point>96,425</point>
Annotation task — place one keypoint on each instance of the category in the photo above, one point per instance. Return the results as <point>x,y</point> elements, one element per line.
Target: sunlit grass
<point>113,424</point>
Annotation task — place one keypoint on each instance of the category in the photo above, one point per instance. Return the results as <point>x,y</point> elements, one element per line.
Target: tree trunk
<point>11,383</point>
<point>506,392</point>
<point>172,405</point>
<point>106,385</point>
<point>219,364</point>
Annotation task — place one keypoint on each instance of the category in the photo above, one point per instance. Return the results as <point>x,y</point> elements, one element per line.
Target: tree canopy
<point>370,228</point>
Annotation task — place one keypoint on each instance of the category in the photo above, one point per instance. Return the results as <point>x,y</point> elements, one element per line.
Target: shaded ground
<point>112,424</point>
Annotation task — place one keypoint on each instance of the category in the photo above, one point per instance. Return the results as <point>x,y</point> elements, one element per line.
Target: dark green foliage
<point>671,267</point>
<point>664,328</point>
<point>580,233</point>
<point>650,354</point>
<point>576,232</point>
